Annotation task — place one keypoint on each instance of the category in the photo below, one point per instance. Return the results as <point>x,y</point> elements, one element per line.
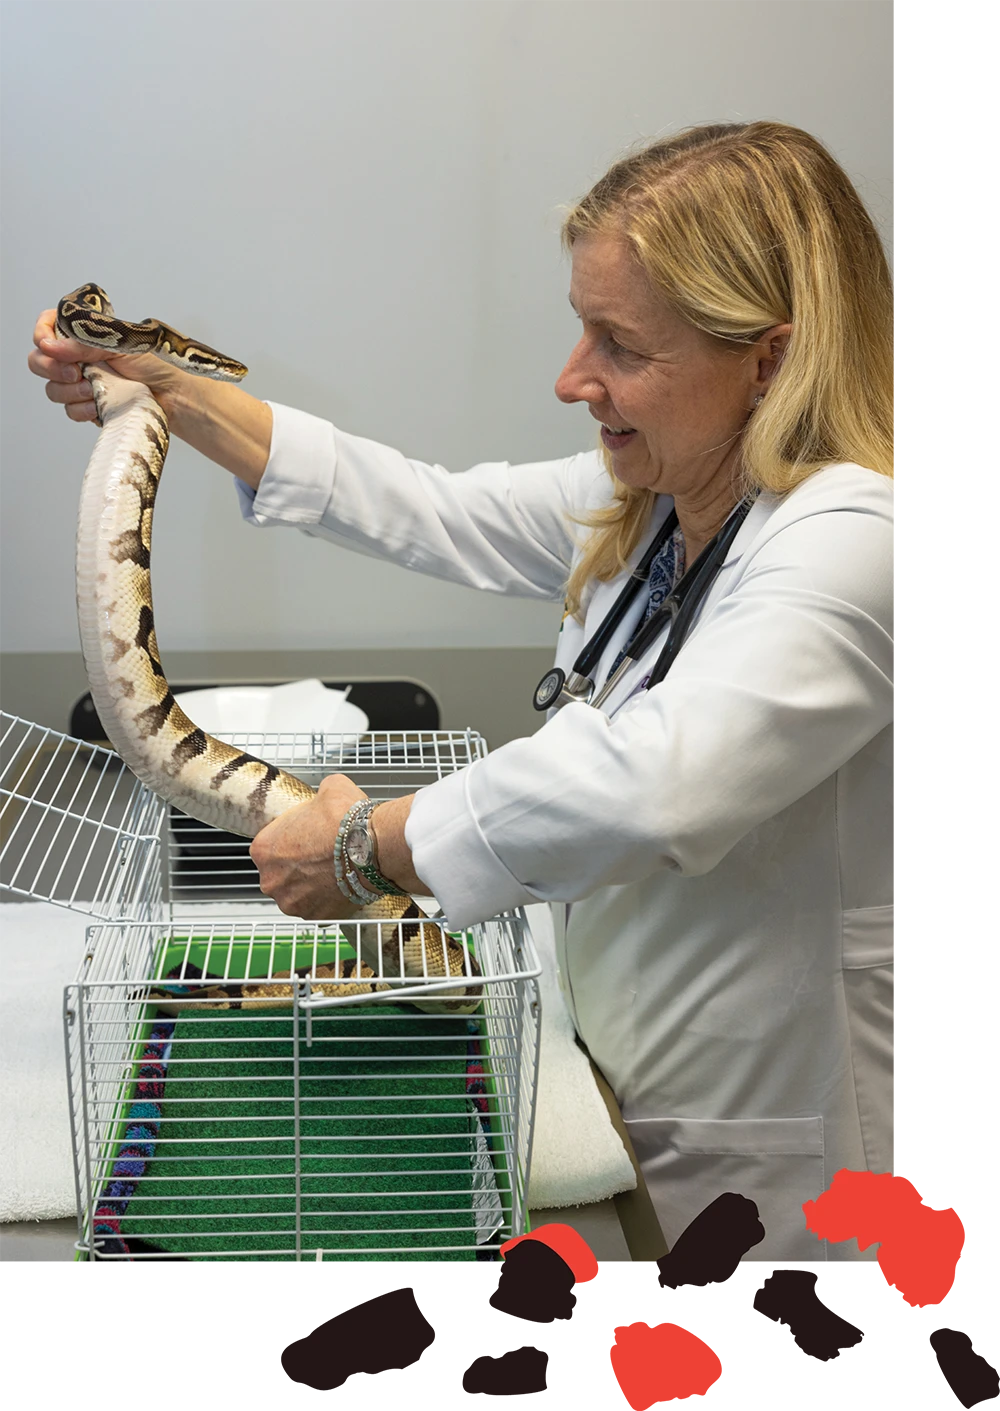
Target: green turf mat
<point>388,1139</point>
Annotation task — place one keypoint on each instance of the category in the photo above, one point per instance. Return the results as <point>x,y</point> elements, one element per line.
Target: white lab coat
<point>717,850</point>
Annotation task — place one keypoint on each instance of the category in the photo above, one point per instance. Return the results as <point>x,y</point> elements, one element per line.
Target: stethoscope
<point>677,611</point>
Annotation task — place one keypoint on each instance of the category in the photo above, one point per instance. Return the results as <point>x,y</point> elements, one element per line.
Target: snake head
<point>93,296</point>
<point>88,298</point>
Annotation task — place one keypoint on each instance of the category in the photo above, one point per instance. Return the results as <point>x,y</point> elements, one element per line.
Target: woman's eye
<point>617,350</point>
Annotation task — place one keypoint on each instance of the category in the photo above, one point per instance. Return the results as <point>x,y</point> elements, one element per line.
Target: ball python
<point>217,783</point>
<point>346,978</point>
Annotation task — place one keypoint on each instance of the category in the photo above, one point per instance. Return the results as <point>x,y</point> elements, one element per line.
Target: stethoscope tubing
<point>676,612</point>
<point>704,571</point>
<point>591,655</point>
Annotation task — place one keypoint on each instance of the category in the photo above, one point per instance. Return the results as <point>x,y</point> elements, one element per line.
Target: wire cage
<point>205,864</point>
<point>246,1086</point>
<point>76,827</point>
<point>231,1097</point>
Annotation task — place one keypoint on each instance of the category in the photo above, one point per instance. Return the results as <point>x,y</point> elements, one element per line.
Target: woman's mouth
<point>614,437</point>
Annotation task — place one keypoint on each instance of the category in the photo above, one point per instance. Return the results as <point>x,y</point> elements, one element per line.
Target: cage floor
<point>391,1154</point>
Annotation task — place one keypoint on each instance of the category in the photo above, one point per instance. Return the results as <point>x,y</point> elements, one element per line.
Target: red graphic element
<point>569,1245</point>
<point>919,1246</point>
<point>722,1365</point>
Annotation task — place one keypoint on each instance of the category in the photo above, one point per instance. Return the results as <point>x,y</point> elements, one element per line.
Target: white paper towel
<point>297,707</point>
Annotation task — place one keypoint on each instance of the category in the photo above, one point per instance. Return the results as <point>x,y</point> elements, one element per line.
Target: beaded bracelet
<point>350,887</point>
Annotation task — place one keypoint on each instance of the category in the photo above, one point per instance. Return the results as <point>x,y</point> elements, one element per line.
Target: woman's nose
<point>577,382</point>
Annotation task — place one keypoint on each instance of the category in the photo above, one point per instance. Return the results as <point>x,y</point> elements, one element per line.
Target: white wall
<point>359,199</point>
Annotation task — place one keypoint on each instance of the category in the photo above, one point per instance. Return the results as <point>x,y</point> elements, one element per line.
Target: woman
<point>716,843</point>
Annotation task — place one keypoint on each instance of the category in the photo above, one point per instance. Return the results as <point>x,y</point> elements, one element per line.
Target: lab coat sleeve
<point>786,677</point>
<point>499,527</point>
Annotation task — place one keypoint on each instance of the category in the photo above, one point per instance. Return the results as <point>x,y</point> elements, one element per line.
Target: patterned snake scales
<point>209,780</point>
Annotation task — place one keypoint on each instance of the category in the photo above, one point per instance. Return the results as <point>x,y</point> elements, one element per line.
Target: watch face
<point>358,846</point>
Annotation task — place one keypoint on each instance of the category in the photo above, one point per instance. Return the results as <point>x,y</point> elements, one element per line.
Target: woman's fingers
<point>77,397</point>
<point>58,361</point>
<point>82,411</point>
<point>52,369</point>
<point>68,350</point>
<point>45,326</point>
<point>64,390</point>
<point>61,350</point>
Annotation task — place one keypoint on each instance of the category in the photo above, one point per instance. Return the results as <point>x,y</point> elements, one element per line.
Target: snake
<point>206,778</point>
<point>341,980</point>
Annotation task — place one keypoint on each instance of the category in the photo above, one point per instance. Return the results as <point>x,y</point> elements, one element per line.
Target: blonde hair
<point>742,227</point>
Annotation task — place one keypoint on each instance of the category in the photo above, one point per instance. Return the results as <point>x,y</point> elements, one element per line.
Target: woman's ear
<point>770,350</point>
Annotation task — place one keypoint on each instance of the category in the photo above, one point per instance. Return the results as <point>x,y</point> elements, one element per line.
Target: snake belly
<point>211,781</point>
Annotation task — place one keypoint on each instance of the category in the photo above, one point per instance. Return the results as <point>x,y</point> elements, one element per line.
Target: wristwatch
<point>362,852</point>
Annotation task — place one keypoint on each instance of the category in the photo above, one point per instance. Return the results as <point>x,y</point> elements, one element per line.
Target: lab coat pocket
<point>776,1162</point>
<point>867,959</point>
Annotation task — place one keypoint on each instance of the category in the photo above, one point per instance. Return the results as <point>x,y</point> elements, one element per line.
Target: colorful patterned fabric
<point>475,1087</point>
<point>475,1081</point>
<point>665,572</point>
<point>143,1125</point>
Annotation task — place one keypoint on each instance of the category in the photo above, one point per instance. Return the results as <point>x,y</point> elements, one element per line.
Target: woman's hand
<point>218,419</point>
<point>59,360</point>
<point>294,854</point>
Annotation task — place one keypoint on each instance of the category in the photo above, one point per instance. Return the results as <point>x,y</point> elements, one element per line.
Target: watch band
<point>348,882</point>
<point>370,871</point>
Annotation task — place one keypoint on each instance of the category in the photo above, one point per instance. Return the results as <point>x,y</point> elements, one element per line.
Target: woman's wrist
<point>395,861</point>
<point>221,421</point>
<point>170,395</point>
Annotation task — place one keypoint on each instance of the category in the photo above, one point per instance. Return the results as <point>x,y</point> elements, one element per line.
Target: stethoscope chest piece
<point>548,688</point>
<point>556,689</point>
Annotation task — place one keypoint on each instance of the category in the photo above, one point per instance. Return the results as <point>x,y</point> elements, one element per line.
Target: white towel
<point>41,947</point>
<point>577,1156</point>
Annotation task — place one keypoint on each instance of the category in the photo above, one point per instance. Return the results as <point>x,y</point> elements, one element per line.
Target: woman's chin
<point>637,474</point>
